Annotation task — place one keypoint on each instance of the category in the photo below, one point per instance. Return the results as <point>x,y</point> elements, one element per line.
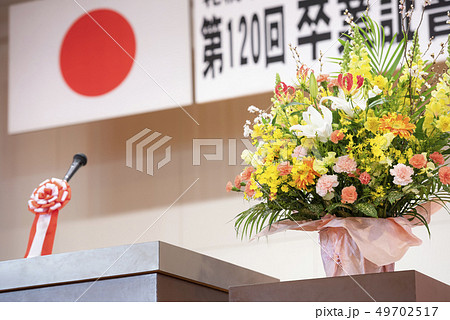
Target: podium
<point>152,271</point>
<point>400,286</point>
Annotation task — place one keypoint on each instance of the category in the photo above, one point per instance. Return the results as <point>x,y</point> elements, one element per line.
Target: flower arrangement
<point>371,141</point>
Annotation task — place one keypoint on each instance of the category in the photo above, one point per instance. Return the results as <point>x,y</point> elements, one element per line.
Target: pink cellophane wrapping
<point>358,245</point>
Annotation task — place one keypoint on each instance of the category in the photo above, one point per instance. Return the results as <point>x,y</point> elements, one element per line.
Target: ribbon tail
<point>42,235</point>
<point>32,234</point>
<point>47,247</point>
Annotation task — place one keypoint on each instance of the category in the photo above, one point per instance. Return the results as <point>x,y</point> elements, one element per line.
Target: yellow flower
<point>409,154</point>
<point>319,167</point>
<point>428,169</point>
<point>436,107</point>
<point>278,134</point>
<point>428,123</point>
<point>382,142</point>
<point>360,64</point>
<point>378,193</point>
<point>372,124</point>
<point>330,159</point>
<point>381,82</point>
<point>257,131</point>
<point>307,143</point>
<point>443,123</point>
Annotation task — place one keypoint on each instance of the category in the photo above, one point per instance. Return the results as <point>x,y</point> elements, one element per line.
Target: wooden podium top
<point>129,260</point>
<point>399,286</point>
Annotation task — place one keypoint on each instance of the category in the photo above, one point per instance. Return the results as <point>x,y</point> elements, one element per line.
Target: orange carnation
<point>365,178</point>
<point>333,83</point>
<point>437,158</point>
<point>229,186</point>
<point>284,168</point>
<point>247,173</point>
<point>322,77</point>
<point>418,161</point>
<point>337,136</point>
<point>444,175</point>
<point>349,195</point>
<point>249,192</point>
<point>237,181</point>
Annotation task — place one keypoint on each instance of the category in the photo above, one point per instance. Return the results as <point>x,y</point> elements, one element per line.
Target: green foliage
<point>277,79</point>
<point>313,88</point>
<point>383,61</point>
<point>394,196</point>
<point>367,209</point>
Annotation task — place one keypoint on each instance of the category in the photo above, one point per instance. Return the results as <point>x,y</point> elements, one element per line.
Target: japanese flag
<point>74,61</point>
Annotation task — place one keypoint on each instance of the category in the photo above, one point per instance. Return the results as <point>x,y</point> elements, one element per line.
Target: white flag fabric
<point>74,61</point>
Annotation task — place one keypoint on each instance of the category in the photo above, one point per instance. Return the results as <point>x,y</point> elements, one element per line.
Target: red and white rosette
<point>45,202</point>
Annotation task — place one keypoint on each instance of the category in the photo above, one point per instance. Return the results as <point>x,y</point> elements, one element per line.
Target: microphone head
<point>81,158</point>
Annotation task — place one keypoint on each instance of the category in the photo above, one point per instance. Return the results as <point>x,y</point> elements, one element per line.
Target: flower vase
<point>341,255</point>
<point>356,245</point>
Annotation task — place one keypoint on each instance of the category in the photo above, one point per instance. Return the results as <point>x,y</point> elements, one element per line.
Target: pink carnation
<point>402,174</point>
<point>299,152</point>
<point>349,195</point>
<point>284,168</point>
<point>325,184</point>
<point>345,164</point>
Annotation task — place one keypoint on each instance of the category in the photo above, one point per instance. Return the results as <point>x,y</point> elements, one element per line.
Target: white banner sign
<point>78,61</point>
<point>241,44</point>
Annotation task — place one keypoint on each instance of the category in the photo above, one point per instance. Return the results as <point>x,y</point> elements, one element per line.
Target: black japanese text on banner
<point>241,44</point>
<point>65,68</point>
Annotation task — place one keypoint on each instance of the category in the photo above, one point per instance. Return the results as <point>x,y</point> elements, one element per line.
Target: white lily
<point>374,92</point>
<point>317,124</point>
<point>348,106</point>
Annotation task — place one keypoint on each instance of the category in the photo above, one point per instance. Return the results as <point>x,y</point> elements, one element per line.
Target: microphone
<point>79,160</point>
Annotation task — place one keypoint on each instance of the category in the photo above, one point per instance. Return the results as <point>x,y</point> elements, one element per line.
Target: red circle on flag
<point>97,52</point>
